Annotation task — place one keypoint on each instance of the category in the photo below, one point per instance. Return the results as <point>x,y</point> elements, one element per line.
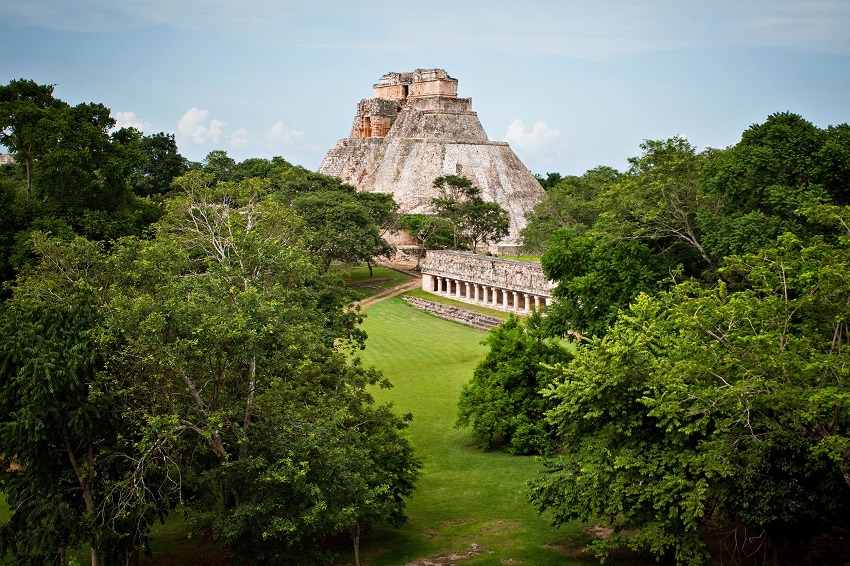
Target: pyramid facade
<point>415,129</point>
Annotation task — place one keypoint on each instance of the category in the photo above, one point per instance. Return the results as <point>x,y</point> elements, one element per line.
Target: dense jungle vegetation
<point>173,340</point>
<point>704,409</point>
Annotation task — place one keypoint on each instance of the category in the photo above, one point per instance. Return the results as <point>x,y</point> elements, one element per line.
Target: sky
<point>569,84</point>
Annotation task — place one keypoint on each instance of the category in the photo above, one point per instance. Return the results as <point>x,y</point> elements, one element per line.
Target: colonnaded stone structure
<point>502,284</point>
<point>415,129</point>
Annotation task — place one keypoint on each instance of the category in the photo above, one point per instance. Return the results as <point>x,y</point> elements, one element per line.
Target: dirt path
<point>388,293</point>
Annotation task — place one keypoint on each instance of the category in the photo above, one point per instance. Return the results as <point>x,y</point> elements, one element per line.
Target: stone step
<point>456,314</point>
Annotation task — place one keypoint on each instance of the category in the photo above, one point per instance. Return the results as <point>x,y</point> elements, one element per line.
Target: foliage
<point>549,181</point>
<point>23,106</point>
<point>72,468</point>
<point>473,220</point>
<point>186,365</point>
<point>241,342</point>
<point>429,232</point>
<point>597,280</point>
<point>778,167</point>
<point>161,165</point>
<point>570,203</point>
<point>503,402</point>
<point>710,408</point>
<point>677,213</point>
<point>75,174</point>
<point>341,228</point>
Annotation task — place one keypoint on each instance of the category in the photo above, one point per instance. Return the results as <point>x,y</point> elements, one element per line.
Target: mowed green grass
<point>531,258</point>
<point>464,496</point>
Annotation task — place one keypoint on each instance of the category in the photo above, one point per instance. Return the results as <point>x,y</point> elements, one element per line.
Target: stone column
<point>516,300</point>
<point>526,304</point>
<point>457,288</point>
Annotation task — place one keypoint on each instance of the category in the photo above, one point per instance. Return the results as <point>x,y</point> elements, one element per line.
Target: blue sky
<point>571,85</point>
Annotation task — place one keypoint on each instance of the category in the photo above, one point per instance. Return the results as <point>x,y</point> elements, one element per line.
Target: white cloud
<point>195,127</point>
<point>242,138</point>
<point>276,137</point>
<point>538,141</point>
<point>285,135</point>
<point>130,120</point>
<point>197,132</point>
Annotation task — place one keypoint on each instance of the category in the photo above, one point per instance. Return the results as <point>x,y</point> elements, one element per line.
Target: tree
<point>661,197</point>
<point>472,219</point>
<point>709,409</point>
<point>162,163</point>
<point>23,105</point>
<point>503,402</point>
<point>244,347</point>
<point>777,168</point>
<point>77,172</point>
<point>220,165</point>
<point>72,470</point>
<point>573,202</point>
<point>341,228</point>
<point>428,231</point>
<point>549,181</point>
<point>597,277</point>
<point>833,168</point>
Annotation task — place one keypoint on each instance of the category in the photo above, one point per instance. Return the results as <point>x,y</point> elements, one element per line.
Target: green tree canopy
<point>213,360</point>
<point>705,408</point>
<point>473,220</point>
<point>503,402</point>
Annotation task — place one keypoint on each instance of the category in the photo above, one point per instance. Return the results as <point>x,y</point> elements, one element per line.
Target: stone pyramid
<point>415,129</point>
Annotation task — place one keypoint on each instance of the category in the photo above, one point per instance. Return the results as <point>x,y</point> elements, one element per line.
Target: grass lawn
<point>464,496</point>
<point>532,258</point>
<point>357,279</point>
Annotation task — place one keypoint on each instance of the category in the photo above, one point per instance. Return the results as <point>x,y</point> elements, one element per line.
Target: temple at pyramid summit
<point>415,129</point>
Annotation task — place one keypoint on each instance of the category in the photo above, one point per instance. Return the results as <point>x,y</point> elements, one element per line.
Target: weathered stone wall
<point>522,276</point>
<point>375,117</point>
<point>418,83</point>
<point>463,316</point>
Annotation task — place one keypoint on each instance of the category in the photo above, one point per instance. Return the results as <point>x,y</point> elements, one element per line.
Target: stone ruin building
<point>502,284</point>
<point>415,129</point>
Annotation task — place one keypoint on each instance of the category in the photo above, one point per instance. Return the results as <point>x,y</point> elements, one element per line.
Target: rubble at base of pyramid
<point>415,129</point>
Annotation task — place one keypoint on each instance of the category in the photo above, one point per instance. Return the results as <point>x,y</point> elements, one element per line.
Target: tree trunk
<point>86,483</point>
<point>249,404</point>
<point>29,177</point>
<point>95,553</point>
<point>355,538</point>
<point>369,265</point>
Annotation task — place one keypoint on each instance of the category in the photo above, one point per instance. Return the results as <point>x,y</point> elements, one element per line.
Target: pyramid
<point>415,129</point>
